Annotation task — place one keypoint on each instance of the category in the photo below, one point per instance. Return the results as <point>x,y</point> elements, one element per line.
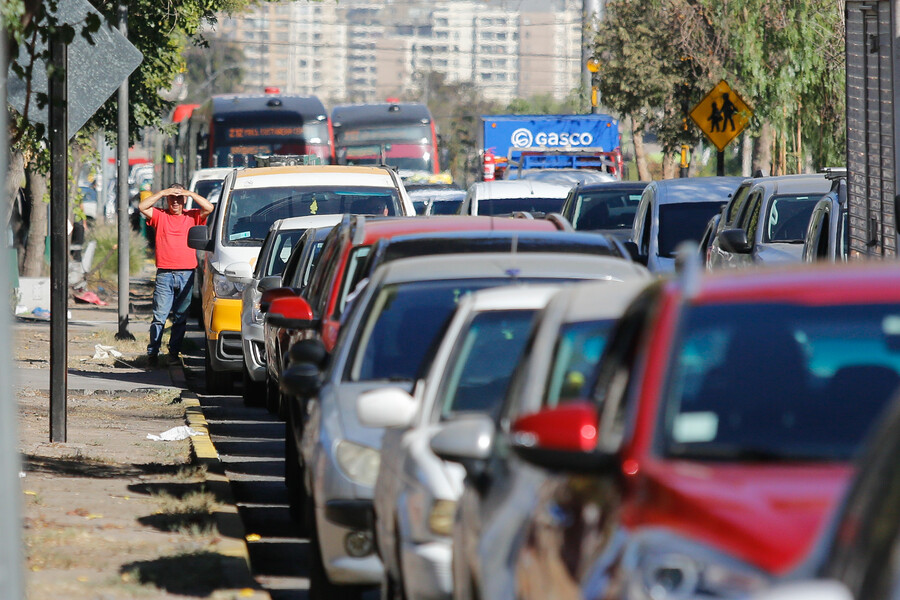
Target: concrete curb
<point>233,544</point>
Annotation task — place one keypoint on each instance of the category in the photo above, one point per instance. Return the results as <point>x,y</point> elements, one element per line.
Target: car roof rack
<point>287,160</point>
<point>833,173</point>
<point>560,221</point>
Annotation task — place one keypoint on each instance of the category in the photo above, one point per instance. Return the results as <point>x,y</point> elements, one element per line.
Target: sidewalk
<point>109,513</point>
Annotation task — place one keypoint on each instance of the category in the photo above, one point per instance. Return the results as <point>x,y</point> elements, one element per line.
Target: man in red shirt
<point>175,263</point>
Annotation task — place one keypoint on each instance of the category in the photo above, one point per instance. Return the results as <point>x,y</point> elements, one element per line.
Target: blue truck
<point>512,143</point>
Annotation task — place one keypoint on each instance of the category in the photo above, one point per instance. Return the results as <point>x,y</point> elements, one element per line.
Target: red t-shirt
<point>172,251</point>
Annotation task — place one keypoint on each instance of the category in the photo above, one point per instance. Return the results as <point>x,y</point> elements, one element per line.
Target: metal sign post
<point>59,238</point>
<point>722,115</point>
<point>124,223</point>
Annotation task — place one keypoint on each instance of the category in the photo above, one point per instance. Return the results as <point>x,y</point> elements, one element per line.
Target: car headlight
<point>440,519</point>
<point>256,317</point>
<point>359,463</point>
<point>660,565</point>
<point>224,288</point>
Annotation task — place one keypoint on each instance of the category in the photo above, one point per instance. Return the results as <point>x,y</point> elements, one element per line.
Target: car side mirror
<point>468,440</point>
<point>269,283</point>
<point>818,589</point>
<point>632,248</point>
<point>290,312</point>
<point>239,272</point>
<point>303,380</point>
<point>386,407</point>
<point>562,438</point>
<point>735,241</point>
<point>270,296</point>
<point>198,238</point>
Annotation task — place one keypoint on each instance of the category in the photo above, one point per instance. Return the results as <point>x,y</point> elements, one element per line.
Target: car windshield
<point>477,375</point>
<point>779,381</point>
<point>282,246</point>
<point>683,221</point>
<point>578,349</point>
<point>395,340</point>
<point>506,206</point>
<point>788,217</point>
<point>609,209</point>
<point>251,211</point>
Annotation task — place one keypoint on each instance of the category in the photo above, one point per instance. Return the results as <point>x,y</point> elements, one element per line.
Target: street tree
<point>644,78</point>
<point>160,30</point>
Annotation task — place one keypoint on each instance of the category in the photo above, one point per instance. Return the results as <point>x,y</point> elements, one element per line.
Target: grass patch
<point>105,267</point>
<point>191,514</point>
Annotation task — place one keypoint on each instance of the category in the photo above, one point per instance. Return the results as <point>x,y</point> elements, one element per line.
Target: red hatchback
<point>725,415</point>
<point>341,262</point>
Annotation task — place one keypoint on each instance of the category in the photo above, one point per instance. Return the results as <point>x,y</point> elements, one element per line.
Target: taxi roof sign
<point>722,115</point>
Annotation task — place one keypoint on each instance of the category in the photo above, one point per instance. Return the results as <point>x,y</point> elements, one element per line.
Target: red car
<point>725,415</point>
<point>341,262</point>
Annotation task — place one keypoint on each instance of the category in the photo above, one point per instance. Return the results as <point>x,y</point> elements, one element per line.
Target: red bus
<point>401,135</point>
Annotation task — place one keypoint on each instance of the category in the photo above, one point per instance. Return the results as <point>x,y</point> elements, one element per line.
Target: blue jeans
<point>171,299</point>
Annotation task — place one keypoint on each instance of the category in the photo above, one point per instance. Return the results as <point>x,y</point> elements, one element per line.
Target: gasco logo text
<point>523,138</point>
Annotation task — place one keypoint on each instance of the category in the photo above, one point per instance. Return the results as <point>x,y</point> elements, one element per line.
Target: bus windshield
<point>407,147</point>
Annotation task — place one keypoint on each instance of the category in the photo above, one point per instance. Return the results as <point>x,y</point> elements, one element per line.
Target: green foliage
<point>543,104</point>
<point>785,58</point>
<point>106,256</point>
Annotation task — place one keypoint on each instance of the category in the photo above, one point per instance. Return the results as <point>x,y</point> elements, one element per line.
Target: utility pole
<point>590,11</point>
<point>123,222</point>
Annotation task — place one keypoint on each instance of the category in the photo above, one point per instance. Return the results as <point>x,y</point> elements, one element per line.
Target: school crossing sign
<point>722,115</point>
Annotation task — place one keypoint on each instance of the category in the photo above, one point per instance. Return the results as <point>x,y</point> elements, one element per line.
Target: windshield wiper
<point>250,241</point>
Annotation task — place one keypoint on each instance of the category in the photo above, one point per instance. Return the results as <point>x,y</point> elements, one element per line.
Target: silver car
<point>265,274</point>
<point>386,340</point>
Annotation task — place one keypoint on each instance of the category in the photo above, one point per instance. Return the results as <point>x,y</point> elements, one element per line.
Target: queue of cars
<point>501,407</point>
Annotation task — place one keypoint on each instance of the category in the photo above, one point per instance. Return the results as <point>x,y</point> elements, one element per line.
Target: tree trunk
<point>762,151</point>
<point>669,166</point>
<point>37,227</point>
<point>15,179</point>
<point>640,154</point>
<point>746,155</point>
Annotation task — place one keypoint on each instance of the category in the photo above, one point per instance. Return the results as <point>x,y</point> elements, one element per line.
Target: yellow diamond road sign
<point>722,115</point>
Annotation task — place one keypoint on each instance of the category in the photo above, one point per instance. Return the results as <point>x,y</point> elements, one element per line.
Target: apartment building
<point>366,50</point>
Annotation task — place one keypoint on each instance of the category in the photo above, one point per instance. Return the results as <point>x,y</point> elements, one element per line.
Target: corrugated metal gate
<point>872,79</point>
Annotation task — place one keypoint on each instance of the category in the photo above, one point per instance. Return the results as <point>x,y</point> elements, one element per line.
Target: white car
<point>257,277</point>
<point>208,183</point>
<point>416,492</point>
<point>505,197</point>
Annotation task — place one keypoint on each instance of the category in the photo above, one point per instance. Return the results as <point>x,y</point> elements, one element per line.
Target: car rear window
<point>772,381</point>
<point>789,217</point>
<point>506,206</point>
<point>612,209</point>
<point>682,222</point>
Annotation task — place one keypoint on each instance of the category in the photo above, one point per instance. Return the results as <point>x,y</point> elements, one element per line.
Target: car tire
<point>320,587</point>
<point>254,392</point>
<point>273,396</point>
<point>293,480</point>
<point>216,383</point>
